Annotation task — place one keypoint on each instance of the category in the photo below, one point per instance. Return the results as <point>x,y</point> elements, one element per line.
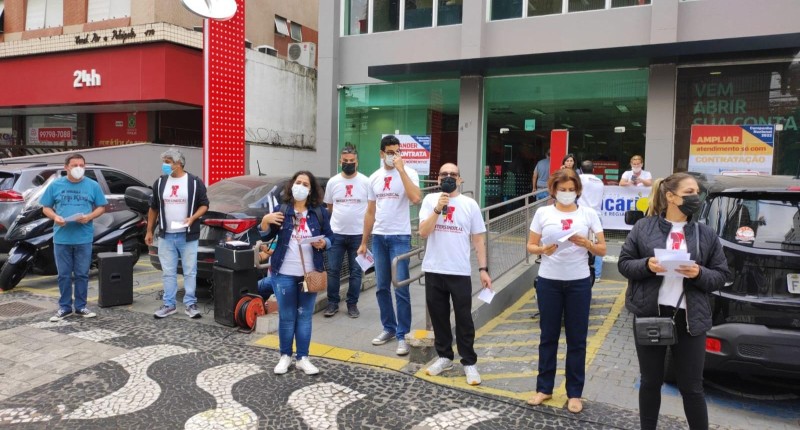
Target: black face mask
<point>349,168</point>
<point>448,184</point>
<point>690,205</point>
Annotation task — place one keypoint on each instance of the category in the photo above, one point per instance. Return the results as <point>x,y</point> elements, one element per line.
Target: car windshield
<point>238,194</point>
<point>760,223</point>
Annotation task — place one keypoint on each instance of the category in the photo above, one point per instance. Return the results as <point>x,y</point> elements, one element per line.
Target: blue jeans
<point>385,249</point>
<point>73,259</point>
<point>340,244</point>
<point>295,309</point>
<point>170,248</point>
<point>570,299</point>
<point>266,286</point>
<point>598,266</point>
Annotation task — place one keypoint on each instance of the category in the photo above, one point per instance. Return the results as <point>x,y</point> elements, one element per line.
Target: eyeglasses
<point>450,174</point>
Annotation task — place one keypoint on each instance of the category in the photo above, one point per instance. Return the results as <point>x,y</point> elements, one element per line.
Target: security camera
<point>341,87</point>
<point>503,130</point>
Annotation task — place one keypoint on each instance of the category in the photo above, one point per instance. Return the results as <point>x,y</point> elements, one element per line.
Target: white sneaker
<point>439,366</point>
<point>402,347</point>
<point>473,377</point>
<point>283,365</point>
<point>305,365</point>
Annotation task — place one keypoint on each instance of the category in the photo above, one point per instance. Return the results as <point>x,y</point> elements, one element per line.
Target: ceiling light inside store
<point>588,135</point>
<point>714,73</point>
<point>565,125</point>
<point>636,124</point>
<point>619,129</point>
<point>375,108</point>
<point>512,126</point>
<point>623,108</point>
<point>537,112</point>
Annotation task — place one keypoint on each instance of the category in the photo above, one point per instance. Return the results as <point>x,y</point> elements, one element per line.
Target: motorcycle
<point>32,234</point>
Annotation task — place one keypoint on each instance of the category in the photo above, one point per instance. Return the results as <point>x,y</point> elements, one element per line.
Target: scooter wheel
<point>10,275</point>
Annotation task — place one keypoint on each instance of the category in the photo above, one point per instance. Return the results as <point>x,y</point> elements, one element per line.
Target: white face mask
<point>77,172</point>
<point>636,169</point>
<point>566,197</point>
<point>300,192</point>
<point>389,160</point>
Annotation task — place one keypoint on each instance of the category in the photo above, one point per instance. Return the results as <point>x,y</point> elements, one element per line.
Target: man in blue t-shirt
<point>72,202</point>
<point>540,175</point>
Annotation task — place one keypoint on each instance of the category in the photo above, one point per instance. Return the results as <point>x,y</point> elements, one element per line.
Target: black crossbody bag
<point>661,331</point>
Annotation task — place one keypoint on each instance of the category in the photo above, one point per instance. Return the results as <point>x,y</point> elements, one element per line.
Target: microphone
<point>444,208</point>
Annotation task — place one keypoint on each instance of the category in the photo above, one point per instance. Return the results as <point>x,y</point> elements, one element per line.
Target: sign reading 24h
<point>717,148</point>
<point>416,152</point>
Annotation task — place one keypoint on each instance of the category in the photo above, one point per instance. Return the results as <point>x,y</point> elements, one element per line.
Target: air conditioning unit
<point>266,49</point>
<point>304,53</point>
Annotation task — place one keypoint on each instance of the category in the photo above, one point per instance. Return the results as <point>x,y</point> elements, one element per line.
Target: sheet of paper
<point>174,225</point>
<point>73,217</point>
<point>672,266</point>
<point>671,255</point>
<point>486,295</point>
<point>311,239</point>
<point>365,261</point>
<point>561,239</point>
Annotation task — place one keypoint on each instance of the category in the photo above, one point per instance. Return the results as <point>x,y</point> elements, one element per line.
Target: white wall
<point>280,119</point>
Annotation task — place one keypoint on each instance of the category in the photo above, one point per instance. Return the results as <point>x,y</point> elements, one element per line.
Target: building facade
<point>489,80</point>
<point>90,73</point>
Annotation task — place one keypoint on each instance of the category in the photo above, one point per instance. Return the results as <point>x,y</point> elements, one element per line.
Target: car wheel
<point>670,376</point>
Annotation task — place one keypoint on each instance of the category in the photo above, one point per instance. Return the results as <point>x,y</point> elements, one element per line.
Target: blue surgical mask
<point>166,169</point>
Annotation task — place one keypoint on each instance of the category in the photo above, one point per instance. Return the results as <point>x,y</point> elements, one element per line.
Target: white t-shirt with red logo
<point>349,198</point>
<point>570,263</point>
<point>448,248</point>
<point>672,286</point>
<point>292,264</point>
<point>392,216</point>
<point>176,202</point>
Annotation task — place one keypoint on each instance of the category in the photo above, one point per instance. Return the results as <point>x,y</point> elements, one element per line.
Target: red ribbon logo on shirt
<point>348,190</point>
<point>174,191</point>
<point>677,239</point>
<point>387,183</point>
<point>566,224</point>
<point>448,216</point>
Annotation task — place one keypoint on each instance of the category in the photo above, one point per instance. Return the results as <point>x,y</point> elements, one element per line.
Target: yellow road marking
<point>460,382</point>
<point>516,359</point>
<point>502,318</point>
<point>341,354</point>
<point>515,332</point>
<point>601,305</point>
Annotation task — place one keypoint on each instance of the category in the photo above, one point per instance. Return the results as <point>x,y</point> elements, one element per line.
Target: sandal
<point>539,398</point>
<point>575,405</point>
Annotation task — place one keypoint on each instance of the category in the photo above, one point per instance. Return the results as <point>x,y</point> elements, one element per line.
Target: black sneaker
<point>352,310</point>
<point>331,310</point>
<point>60,315</point>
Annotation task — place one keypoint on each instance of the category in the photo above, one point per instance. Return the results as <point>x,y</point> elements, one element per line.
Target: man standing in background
<point>592,197</point>
<point>541,174</point>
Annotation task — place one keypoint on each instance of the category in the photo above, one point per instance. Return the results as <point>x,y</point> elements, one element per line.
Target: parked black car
<point>236,207</point>
<point>756,315</point>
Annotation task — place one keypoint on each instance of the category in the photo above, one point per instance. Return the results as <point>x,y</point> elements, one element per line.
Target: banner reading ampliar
<point>717,148</point>
<point>416,152</point>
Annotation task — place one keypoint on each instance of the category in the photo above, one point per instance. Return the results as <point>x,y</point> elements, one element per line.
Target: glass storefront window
<point>51,130</point>
<point>356,16</point>
<point>544,7</point>
<point>414,108</point>
<point>506,9</point>
<point>626,3</point>
<point>419,14</point>
<point>748,94</point>
<point>521,111</point>
<point>450,12</point>
<point>584,5</point>
<point>386,15</point>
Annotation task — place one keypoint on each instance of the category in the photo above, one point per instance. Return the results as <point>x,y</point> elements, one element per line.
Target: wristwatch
<point>483,269</point>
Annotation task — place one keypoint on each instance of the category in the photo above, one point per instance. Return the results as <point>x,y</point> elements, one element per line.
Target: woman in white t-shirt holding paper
<point>560,233</point>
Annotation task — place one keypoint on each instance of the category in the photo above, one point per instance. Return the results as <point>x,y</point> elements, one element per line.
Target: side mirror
<point>632,216</point>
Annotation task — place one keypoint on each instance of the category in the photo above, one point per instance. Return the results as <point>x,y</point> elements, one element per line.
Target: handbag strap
<point>697,244</point>
<point>302,260</point>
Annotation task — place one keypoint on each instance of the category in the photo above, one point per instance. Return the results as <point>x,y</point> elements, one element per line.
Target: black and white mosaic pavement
<point>181,374</point>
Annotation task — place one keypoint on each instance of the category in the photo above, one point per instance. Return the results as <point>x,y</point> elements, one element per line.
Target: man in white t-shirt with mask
<point>393,188</point>
<point>346,196</point>
<point>592,196</point>
<point>450,221</point>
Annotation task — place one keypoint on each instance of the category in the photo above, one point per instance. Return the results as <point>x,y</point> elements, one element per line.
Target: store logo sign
<point>85,78</point>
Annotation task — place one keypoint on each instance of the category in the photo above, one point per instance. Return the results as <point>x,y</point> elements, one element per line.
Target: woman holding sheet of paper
<point>303,227</point>
<point>654,291</point>
<point>560,233</point>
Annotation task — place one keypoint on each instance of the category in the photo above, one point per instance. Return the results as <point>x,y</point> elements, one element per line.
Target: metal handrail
<point>407,255</point>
